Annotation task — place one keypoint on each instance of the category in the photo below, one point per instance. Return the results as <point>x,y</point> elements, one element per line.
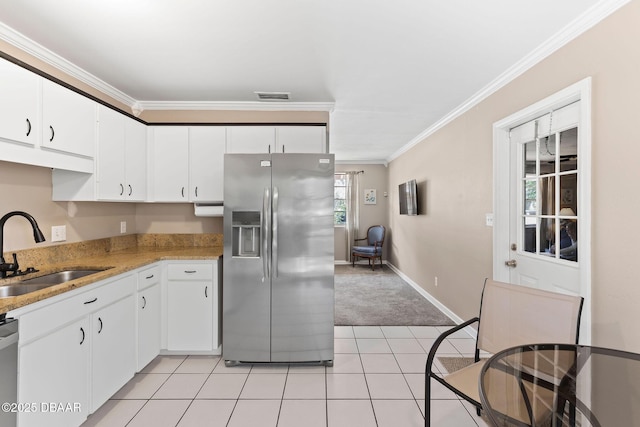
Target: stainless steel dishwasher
<point>8,371</point>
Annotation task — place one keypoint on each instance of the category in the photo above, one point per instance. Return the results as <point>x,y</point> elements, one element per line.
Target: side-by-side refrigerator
<point>278,263</point>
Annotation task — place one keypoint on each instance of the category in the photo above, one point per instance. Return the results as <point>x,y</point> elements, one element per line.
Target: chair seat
<point>368,250</point>
<point>503,392</point>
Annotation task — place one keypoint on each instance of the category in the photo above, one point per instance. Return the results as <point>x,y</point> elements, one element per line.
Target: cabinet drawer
<point>148,277</point>
<point>43,320</point>
<point>190,272</point>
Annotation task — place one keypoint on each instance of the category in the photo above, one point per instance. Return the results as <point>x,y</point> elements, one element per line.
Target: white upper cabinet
<point>19,95</point>
<point>251,139</point>
<point>276,139</point>
<point>121,157</point>
<point>169,163</point>
<point>207,145</point>
<point>135,137</point>
<point>301,139</point>
<point>186,163</point>
<point>68,120</point>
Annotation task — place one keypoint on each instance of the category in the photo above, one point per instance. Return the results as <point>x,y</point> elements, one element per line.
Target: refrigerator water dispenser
<point>246,234</point>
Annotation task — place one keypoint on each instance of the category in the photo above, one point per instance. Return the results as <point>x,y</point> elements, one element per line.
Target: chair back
<point>513,315</point>
<point>375,233</point>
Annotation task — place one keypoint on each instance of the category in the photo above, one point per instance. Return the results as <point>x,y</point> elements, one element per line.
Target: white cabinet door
<point>251,139</point>
<point>190,316</point>
<point>113,343</point>
<point>55,368</point>
<point>207,146</point>
<point>301,139</point>
<point>110,155</point>
<point>19,95</point>
<point>68,120</point>
<point>135,159</point>
<point>170,163</point>
<point>148,325</point>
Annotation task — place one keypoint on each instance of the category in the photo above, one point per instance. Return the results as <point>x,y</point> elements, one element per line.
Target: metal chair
<point>373,249</point>
<point>510,315</point>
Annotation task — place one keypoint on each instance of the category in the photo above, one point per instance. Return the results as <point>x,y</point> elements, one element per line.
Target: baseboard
<point>450,314</point>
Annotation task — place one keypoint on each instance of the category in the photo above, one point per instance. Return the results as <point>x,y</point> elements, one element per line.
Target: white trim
<point>575,28</point>
<point>363,162</point>
<point>501,178</point>
<point>450,314</point>
<point>38,51</point>
<point>239,105</point>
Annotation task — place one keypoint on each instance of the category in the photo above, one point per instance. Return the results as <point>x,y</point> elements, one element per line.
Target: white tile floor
<point>377,380</point>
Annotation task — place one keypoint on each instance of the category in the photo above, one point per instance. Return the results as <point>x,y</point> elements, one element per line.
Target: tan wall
<point>374,177</point>
<point>28,188</point>
<point>451,240</point>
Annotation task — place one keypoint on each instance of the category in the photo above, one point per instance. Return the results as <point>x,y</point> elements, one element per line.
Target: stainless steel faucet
<point>37,236</point>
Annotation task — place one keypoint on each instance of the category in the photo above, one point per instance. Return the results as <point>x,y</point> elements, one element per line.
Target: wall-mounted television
<point>408,195</point>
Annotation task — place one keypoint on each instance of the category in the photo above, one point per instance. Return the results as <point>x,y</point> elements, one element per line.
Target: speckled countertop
<point>115,255</point>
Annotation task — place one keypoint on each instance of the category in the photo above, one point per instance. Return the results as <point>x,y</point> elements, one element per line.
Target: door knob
<point>511,263</point>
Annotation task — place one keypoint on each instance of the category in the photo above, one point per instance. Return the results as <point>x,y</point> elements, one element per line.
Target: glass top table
<point>561,385</point>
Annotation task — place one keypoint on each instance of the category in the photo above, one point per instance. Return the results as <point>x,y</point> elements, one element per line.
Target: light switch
<point>58,233</point>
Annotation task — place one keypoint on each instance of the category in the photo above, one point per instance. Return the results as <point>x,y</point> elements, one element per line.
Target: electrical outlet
<point>436,281</point>
<point>488,220</point>
<point>123,227</point>
<point>58,233</point>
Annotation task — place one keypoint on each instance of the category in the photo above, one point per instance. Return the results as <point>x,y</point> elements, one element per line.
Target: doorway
<point>542,193</point>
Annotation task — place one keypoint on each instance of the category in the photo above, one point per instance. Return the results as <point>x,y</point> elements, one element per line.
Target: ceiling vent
<point>273,96</point>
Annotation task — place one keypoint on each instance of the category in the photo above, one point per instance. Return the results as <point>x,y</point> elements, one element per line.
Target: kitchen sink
<point>15,290</point>
<point>59,277</point>
<point>38,283</point>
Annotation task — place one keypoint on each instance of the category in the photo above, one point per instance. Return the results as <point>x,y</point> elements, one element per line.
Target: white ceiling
<point>392,69</point>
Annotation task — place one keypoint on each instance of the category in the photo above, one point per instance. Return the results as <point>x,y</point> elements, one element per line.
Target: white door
<point>542,224</point>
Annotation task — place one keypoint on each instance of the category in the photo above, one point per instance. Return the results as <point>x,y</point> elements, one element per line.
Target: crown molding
<point>238,105</point>
<point>38,51</point>
<point>575,28</point>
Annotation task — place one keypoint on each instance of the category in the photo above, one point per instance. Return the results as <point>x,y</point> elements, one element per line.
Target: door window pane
<point>549,196</point>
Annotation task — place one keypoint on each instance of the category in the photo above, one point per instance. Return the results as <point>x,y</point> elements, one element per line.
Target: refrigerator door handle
<point>274,238</point>
<point>266,214</point>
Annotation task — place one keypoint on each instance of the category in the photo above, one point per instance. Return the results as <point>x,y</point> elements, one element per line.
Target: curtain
<point>353,211</point>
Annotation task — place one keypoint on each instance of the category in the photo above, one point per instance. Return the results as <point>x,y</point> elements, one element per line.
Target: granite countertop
<point>114,262</point>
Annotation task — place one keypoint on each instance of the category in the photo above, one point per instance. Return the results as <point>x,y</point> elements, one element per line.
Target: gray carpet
<point>380,298</point>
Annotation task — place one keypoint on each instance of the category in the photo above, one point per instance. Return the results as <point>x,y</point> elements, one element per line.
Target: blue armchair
<point>373,250</point>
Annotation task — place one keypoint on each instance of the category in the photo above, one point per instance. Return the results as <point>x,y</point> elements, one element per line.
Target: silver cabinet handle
<point>149,277</point>
<point>121,189</point>
<point>82,340</point>
<point>100,320</point>
<point>196,191</point>
<point>144,302</point>
<point>28,127</point>
<point>205,292</point>
<point>130,189</point>
<point>53,133</point>
<point>190,271</point>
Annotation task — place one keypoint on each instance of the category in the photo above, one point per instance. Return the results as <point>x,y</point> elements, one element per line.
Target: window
<point>340,199</point>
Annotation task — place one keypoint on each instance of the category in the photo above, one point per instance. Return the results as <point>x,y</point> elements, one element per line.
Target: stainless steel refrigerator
<point>278,263</point>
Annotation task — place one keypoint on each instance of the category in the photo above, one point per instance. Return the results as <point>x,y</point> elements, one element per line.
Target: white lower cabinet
<point>82,351</point>
<point>149,316</point>
<point>113,348</point>
<point>78,349</point>
<point>192,295</point>
<point>55,370</point>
